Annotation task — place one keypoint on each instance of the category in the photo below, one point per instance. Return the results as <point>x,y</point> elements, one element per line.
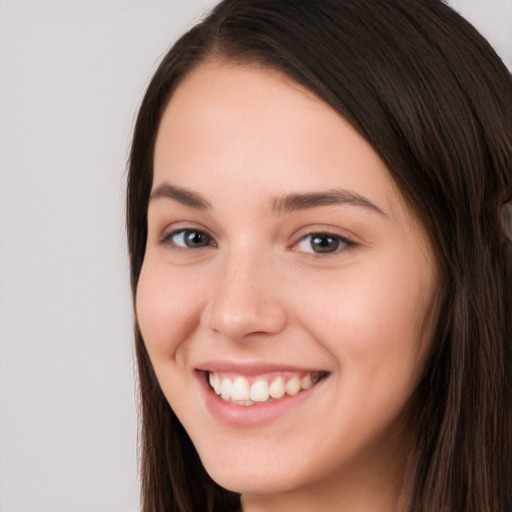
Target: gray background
<point>71,77</point>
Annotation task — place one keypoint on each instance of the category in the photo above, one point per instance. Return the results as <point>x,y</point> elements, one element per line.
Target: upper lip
<point>251,368</point>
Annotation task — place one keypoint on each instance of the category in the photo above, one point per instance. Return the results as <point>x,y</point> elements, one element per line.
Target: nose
<point>246,300</point>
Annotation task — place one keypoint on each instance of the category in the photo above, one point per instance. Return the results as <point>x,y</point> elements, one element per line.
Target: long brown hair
<point>435,102</point>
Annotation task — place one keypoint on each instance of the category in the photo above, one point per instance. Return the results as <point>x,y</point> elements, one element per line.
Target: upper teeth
<point>238,389</point>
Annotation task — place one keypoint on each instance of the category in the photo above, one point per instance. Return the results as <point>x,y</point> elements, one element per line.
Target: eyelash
<point>342,243</point>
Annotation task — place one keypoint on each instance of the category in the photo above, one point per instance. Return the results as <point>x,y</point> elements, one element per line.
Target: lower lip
<point>252,415</point>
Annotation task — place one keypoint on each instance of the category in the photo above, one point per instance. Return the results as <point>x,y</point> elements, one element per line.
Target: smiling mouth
<point>239,390</point>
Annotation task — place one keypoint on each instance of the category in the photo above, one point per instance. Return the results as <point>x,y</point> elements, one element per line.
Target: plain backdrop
<point>71,78</point>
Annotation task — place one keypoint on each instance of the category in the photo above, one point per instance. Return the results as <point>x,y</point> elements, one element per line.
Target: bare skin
<point>278,244</point>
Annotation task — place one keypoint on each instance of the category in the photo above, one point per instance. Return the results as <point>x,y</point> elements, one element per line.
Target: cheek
<point>167,306</point>
<point>370,316</point>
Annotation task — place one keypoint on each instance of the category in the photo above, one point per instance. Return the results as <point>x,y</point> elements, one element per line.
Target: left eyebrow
<point>295,202</point>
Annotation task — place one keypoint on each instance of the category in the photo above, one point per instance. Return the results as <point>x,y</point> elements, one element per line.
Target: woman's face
<point>282,265</point>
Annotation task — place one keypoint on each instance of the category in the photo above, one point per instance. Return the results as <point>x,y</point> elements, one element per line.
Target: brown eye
<point>322,243</point>
<point>190,239</point>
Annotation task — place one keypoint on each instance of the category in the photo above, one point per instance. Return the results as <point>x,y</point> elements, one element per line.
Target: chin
<point>259,481</point>
<point>263,471</point>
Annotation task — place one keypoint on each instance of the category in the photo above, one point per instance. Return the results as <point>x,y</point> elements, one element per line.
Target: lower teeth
<point>249,402</point>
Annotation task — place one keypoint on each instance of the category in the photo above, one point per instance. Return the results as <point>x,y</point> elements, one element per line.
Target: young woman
<point>320,262</point>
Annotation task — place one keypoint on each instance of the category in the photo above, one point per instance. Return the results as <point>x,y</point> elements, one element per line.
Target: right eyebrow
<point>181,195</point>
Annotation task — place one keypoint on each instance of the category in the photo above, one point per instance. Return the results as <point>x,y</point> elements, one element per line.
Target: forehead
<point>261,135</point>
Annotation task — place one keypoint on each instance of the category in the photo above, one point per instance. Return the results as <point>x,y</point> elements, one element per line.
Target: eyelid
<point>170,226</point>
